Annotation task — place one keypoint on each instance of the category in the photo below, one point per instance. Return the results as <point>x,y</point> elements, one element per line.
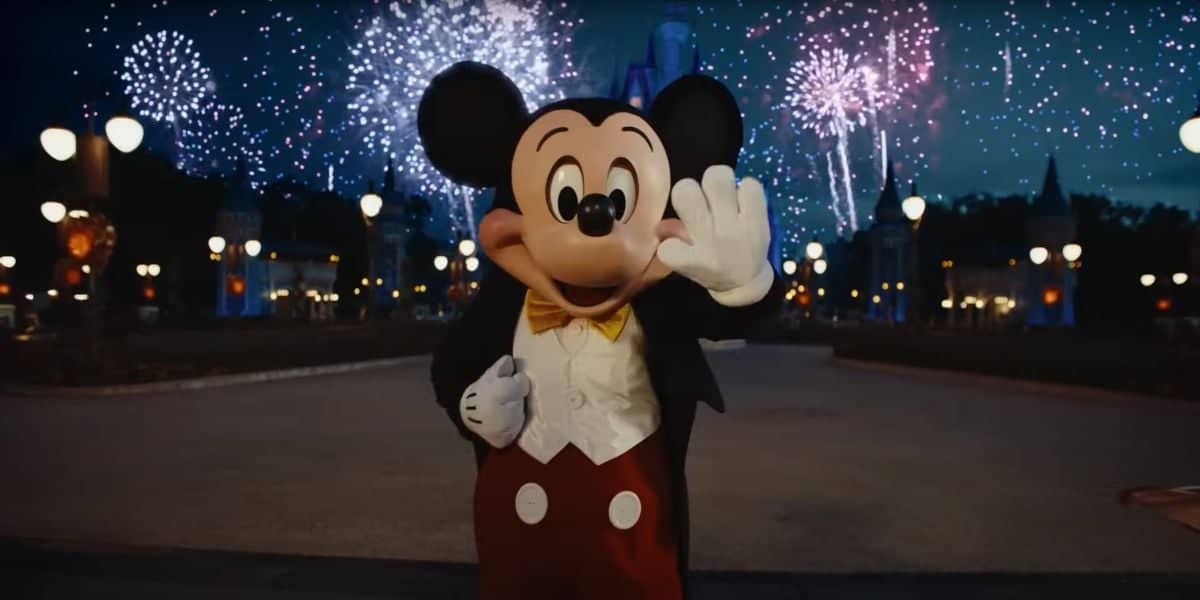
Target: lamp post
<point>1189,131</point>
<point>7,262</point>
<point>914,209</point>
<point>221,249</point>
<point>370,204</point>
<point>464,261</point>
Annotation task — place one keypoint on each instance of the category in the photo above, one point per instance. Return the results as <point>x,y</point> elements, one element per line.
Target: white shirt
<point>585,390</point>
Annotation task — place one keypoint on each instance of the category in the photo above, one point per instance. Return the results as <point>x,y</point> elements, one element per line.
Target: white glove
<point>729,233</point>
<point>494,406</point>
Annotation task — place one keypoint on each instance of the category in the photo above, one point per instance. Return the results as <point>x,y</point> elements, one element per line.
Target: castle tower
<point>670,55</point>
<point>389,249</point>
<point>241,279</point>
<point>887,296</point>
<point>1050,300</point>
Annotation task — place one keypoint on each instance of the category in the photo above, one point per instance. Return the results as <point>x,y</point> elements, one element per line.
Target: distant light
<point>1072,252</point>
<point>332,257</point>
<point>154,269</point>
<point>979,303</point>
<point>124,132</point>
<point>357,291</point>
<point>77,214</point>
<point>1000,300</point>
<point>875,299</point>
<point>885,285</point>
<point>283,293</point>
<point>853,293</point>
<point>378,281</point>
<point>814,250</point>
<point>821,292</point>
<point>87,269</point>
<point>142,270</point>
<point>1189,133</point>
<point>312,293</point>
<point>29,297</point>
<point>970,299</point>
<point>913,207</point>
<point>900,285</point>
<point>1147,279</point>
<point>8,262</point>
<point>947,303</point>
<point>52,293</point>
<point>216,244</point>
<point>789,267</point>
<point>370,204</point>
<point>466,247</point>
<point>365,282</point>
<point>253,247</point>
<point>395,293</point>
<point>474,285</point>
<point>440,263</point>
<point>820,266</point>
<point>335,297</point>
<point>1163,304</point>
<point>58,142</point>
<point>1012,303</point>
<point>1038,254</point>
<point>1179,278</point>
<point>54,211</point>
<point>81,297</point>
<point>472,263</point>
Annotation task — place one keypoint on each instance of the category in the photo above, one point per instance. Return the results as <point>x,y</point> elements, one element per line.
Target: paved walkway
<point>816,467</point>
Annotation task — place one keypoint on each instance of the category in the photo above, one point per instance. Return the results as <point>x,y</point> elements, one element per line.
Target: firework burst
<point>164,77</point>
<point>399,52</point>
<point>212,142</point>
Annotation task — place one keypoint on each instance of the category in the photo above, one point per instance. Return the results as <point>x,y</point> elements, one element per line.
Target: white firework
<point>164,78</point>
<point>400,51</point>
<point>214,139</point>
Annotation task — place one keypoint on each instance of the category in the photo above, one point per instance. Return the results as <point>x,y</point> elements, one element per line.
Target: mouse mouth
<point>585,296</point>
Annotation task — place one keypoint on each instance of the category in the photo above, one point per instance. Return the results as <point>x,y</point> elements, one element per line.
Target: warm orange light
<point>804,299</point>
<point>79,243</point>
<point>72,277</point>
<point>5,289</point>
<point>1163,304</point>
<point>237,285</point>
<point>148,293</point>
<point>1050,296</point>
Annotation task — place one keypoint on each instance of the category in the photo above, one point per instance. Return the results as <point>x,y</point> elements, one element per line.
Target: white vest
<point>585,390</point>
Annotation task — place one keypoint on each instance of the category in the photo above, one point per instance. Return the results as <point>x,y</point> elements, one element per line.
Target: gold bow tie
<point>544,315</point>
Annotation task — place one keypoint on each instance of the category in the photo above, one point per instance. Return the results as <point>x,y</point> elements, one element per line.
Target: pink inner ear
<point>499,229</point>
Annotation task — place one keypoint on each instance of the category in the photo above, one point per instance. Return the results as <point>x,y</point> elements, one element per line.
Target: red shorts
<point>572,529</point>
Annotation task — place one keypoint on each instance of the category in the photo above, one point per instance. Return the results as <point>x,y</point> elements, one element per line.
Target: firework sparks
<point>212,142</point>
<point>401,50</point>
<point>164,77</point>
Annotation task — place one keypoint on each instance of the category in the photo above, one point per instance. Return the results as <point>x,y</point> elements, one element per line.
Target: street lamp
<point>54,211</point>
<point>472,263</point>
<point>1189,132</point>
<point>253,247</point>
<point>814,249</point>
<point>1038,254</point>
<point>370,203</point>
<point>789,267</point>
<point>820,266</point>
<point>466,247</point>
<point>216,244</point>
<point>142,270</point>
<point>1147,279</point>
<point>1179,278</point>
<point>441,262</point>
<point>124,132</point>
<point>8,262</point>
<point>914,205</point>
<point>153,269</point>
<point>58,142</point>
<point>1072,252</point>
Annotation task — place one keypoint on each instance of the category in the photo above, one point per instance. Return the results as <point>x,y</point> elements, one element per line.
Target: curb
<point>202,383</point>
<point>1031,385</point>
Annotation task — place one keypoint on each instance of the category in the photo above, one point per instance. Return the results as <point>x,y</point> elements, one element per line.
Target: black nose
<point>596,215</point>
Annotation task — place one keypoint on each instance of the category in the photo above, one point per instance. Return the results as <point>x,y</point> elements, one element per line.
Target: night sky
<point>999,85</point>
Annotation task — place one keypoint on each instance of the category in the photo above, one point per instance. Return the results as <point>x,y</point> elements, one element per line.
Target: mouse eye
<point>563,189</point>
<point>622,188</point>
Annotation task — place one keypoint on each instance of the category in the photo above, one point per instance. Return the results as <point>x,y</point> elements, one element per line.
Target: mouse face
<point>583,185</point>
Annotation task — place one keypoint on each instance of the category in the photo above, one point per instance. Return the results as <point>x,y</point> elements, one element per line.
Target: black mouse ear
<point>469,120</point>
<point>700,124</point>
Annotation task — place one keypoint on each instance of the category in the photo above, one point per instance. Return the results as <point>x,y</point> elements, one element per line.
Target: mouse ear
<point>699,122</point>
<point>469,120</point>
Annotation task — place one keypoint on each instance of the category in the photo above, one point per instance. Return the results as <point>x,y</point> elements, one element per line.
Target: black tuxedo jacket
<point>674,313</point>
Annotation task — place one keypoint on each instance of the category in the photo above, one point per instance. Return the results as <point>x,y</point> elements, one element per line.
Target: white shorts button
<point>531,504</point>
<point>624,510</point>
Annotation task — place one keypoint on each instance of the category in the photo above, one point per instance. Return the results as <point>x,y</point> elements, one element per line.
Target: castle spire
<point>888,210</point>
<point>1052,201</point>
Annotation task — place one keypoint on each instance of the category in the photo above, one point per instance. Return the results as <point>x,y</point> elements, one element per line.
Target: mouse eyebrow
<point>639,132</point>
<point>547,136</point>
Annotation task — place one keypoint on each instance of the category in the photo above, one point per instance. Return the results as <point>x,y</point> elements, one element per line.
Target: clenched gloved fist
<point>494,406</point>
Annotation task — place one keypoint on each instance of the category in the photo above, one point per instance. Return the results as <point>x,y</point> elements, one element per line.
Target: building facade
<point>891,254</point>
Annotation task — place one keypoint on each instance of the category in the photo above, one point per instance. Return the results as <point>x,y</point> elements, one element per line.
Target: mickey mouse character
<point>576,371</point>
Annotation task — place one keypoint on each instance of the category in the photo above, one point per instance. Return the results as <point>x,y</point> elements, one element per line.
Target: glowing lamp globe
<point>216,244</point>
<point>814,250</point>
<point>913,206</point>
<point>142,270</point>
<point>1038,255</point>
<point>1147,279</point>
<point>370,204</point>
<point>153,270</point>
<point>253,247</point>
<point>466,247</point>
<point>124,132</point>
<point>472,263</point>
<point>1189,133</point>
<point>820,266</point>
<point>8,262</point>
<point>789,267</point>
<point>1072,252</point>
<point>440,263</point>
<point>53,211</point>
<point>1178,278</point>
<point>58,142</point>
